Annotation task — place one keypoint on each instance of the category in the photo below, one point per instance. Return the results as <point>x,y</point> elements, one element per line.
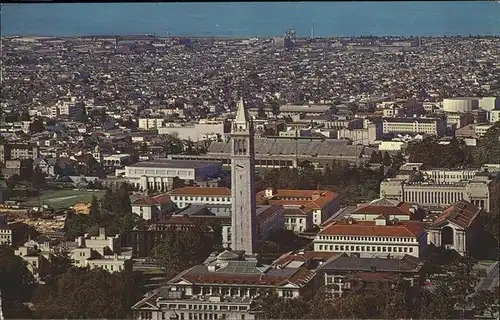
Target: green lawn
<point>62,199</point>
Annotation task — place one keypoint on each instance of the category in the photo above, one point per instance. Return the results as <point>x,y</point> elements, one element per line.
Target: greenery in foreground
<point>384,301</point>
<point>113,211</point>
<point>69,292</point>
<point>457,154</point>
<point>354,184</point>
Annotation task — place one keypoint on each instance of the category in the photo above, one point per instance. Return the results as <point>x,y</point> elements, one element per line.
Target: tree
<point>178,183</point>
<point>387,161</point>
<point>275,307</point>
<point>376,157</point>
<point>431,153</point>
<point>25,116</point>
<point>261,114</point>
<point>435,305</point>
<point>76,225</point>
<point>38,178</point>
<point>94,209</point>
<point>16,284</point>
<point>486,303</point>
<point>267,247</point>
<point>36,126</point>
<point>97,294</point>
<point>60,262</point>
<point>123,200</point>
<point>488,146</point>
<point>108,203</point>
<point>181,249</point>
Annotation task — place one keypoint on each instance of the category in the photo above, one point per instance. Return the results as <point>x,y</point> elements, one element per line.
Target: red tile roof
<point>301,277</point>
<point>313,199</point>
<point>297,211</point>
<point>250,279</point>
<point>369,228</point>
<point>401,208</point>
<point>461,213</point>
<point>154,200</point>
<point>202,191</point>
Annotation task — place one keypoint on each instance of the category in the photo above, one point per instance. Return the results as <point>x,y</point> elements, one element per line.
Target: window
<point>411,249</point>
<point>287,294</point>
<point>336,247</point>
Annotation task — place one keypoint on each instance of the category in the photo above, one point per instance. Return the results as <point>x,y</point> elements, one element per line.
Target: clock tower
<point>243,222</point>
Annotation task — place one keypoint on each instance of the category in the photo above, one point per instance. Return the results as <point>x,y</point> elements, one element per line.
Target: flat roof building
<point>159,174</point>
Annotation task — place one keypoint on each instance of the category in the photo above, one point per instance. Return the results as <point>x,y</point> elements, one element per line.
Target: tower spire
<point>241,113</point>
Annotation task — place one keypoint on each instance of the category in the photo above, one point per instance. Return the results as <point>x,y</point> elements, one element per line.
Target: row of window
<point>356,238</point>
<point>111,267</point>
<point>209,307</point>
<point>364,248</point>
<point>146,315</point>
<point>432,196</point>
<point>295,220</point>
<point>196,198</point>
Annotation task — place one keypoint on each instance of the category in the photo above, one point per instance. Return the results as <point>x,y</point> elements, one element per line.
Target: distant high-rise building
<point>243,225</point>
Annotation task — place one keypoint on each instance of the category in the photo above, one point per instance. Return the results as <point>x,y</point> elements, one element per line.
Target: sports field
<point>62,199</point>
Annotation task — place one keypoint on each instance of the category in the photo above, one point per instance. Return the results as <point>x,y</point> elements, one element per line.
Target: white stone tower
<point>243,222</point>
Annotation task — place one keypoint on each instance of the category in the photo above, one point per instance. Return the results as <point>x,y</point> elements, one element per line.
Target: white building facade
<point>368,239</point>
<point>159,174</point>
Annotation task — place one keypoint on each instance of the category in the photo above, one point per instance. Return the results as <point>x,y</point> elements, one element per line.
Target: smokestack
<point>312,31</point>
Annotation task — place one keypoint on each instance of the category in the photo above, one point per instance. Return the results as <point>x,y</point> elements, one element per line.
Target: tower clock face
<point>239,168</point>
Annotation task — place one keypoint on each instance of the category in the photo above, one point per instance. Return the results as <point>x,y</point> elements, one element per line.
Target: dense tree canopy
<point>16,284</point>
<point>113,211</point>
<point>456,154</point>
<point>92,294</point>
<point>355,184</point>
<point>488,147</point>
<point>383,300</point>
<point>433,154</point>
<point>181,249</point>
